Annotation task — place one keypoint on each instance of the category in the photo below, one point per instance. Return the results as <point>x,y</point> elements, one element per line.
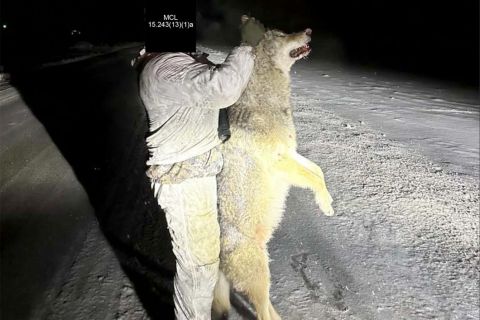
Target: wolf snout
<point>308,32</point>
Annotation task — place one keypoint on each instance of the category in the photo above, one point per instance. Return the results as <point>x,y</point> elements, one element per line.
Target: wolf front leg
<point>301,172</point>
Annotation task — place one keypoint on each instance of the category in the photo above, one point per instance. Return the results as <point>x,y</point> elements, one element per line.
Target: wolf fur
<point>260,165</point>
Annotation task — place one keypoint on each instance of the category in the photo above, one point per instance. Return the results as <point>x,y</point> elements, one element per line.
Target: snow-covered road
<point>437,119</point>
<point>72,159</point>
<point>400,157</point>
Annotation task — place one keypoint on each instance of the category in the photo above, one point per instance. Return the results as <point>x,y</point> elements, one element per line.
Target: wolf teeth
<point>298,51</point>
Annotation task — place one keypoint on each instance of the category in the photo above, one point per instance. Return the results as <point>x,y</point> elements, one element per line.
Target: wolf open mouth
<point>303,50</point>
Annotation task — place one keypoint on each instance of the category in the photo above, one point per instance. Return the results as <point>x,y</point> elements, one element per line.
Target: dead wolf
<point>260,165</point>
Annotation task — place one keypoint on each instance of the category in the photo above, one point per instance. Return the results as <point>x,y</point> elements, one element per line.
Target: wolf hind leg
<point>273,313</point>
<point>247,269</point>
<point>221,298</point>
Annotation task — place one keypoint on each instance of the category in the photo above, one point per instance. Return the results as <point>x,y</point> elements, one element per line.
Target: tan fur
<point>261,163</point>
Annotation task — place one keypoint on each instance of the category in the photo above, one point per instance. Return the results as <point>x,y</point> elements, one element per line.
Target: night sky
<point>433,38</point>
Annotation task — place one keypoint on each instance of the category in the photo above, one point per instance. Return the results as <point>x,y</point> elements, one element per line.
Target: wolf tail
<point>221,298</point>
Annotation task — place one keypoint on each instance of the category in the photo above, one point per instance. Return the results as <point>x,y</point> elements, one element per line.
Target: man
<point>182,94</point>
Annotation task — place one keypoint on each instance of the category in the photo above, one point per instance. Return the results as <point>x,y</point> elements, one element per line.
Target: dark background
<point>159,38</point>
<point>436,38</point>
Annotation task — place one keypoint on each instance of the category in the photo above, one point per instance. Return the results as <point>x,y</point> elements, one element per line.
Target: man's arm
<point>175,79</point>
<point>221,86</point>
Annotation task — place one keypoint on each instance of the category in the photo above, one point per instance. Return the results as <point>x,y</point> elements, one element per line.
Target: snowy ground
<point>400,158</point>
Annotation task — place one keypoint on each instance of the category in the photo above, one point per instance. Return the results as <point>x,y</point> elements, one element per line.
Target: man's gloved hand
<point>251,30</point>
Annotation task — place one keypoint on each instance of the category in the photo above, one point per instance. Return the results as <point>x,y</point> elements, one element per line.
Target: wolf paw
<point>325,204</point>
<point>327,210</point>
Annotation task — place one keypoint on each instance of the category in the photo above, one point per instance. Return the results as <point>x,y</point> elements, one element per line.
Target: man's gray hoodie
<point>183,97</point>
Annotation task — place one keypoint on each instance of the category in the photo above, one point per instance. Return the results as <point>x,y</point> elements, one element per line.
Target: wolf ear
<point>244,18</point>
<point>268,35</point>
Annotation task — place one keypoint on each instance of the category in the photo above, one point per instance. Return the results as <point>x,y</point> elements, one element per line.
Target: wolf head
<point>283,49</point>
